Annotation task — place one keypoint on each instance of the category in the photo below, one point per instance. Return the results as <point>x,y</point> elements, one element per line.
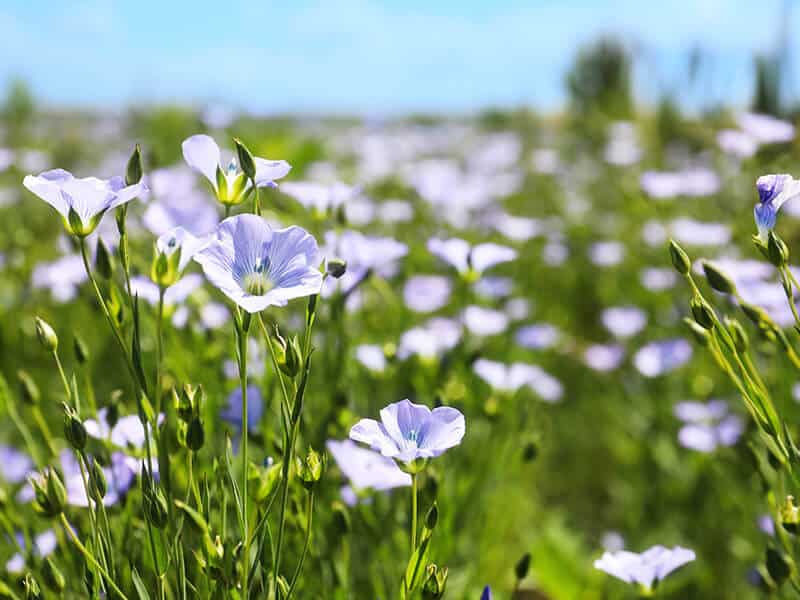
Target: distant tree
<point>17,111</point>
<point>600,80</point>
<point>767,95</point>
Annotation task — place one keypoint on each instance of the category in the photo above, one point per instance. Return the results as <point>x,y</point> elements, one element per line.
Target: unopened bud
<point>522,566</point>
<point>702,312</point>
<point>103,262</point>
<point>31,587</point>
<point>74,430</point>
<point>336,267</point>
<point>134,171</point>
<point>80,350</point>
<point>49,493</point>
<point>777,251</point>
<point>155,506</point>
<point>97,481</point>
<point>432,517</point>
<point>195,434</point>
<point>309,469</point>
<point>680,260</point>
<point>790,515</point>
<point>779,565</point>
<point>246,161</point>
<point>52,576</point>
<point>717,279</point>
<point>739,335</point>
<point>433,587</point>
<point>47,336</point>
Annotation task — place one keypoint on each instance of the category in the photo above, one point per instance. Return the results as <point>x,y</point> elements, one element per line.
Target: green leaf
<point>416,564</point>
<point>141,589</point>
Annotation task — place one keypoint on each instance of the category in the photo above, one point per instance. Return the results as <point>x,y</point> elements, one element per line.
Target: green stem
<point>159,347</point>
<point>309,521</point>
<point>256,199</point>
<point>413,512</point>
<point>242,334</point>
<point>88,556</point>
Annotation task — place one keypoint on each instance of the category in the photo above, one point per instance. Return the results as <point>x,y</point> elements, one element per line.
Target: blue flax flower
<point>773,192</point>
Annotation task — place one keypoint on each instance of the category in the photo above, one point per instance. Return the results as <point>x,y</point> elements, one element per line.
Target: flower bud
<point>246,161</point>
<point>47,337</point>
<point>97,481</point>
<point>50,496</point>
<point>341,518</point>
<point>530,451</point>
<point>195,434</point>
<point>133,172</point>
<point>680,260</point>
<point>74,430</point>
<point>164,269</point>
<point>433,587</point>
<point>28,389</point>
<point>309,469</point>
<point>789,515</point>
<point>522,566</point>
<point>31,587</point>
<point>717,279</point>
<point>779,565</point>
<point>155,506</point>
<point>80,350</point>
<point>702,312</point>
<point>777,251</point>
<point>432,517</point>
<point>700,334</point>
<point>336,267</point>
<point>739,335</point>
<point>52,576</point>
<point>103,263</point>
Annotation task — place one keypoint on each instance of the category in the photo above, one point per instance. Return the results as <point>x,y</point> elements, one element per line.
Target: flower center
<point>233,168</point>
<point>257,282</point>
<point>411,436</point>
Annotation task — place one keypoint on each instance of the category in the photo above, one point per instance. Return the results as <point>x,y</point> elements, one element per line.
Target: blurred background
<point>581,133</point>
<point>358,57</point>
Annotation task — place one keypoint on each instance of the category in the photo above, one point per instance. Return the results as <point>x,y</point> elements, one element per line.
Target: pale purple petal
<point>202,154</point>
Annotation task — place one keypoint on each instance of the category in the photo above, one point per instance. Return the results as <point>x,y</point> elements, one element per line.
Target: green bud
<point>246,161</point>
<point>195,434</point>
<point>739,335</point>
<point>522,566</point>
<point>309,469</point>
<point>680,260</point>
<point>717,279</point>
<point>188,402</point>
<point>789,515</point>
<point>74,430</point>
<point>779,565</point>
<point>336,267</point>
<point>341,518</point>
<point>47,336</point>
<point>756,314</point>
<point>28,389</point>
<point>432,517</point>
<point>103,262</point>
<point>702,312</point>
<point>288,354</point>
<point>530,451</point>
<point>31,587</point>
<point>80,350</point>
<point>164,269</point>
<point>97,481</point>
<point>155,506</point>
<point>699,333</point>
<point>50,497</point>
<point>52,576</point>
<point>134,171</point>
<point>777,251</point>
<point>433,587</point>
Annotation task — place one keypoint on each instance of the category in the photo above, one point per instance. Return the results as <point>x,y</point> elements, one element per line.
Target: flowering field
<point>417,358</point>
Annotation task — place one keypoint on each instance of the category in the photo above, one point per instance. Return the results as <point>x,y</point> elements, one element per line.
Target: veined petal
<point>369,431</point>
<point>268,171</point>
<point>202,154</point>
<point>445,429</point>
<point>47,186</point>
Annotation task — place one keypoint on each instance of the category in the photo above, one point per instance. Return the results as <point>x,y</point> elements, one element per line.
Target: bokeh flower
<point>645,569</point>
<point>366,469</point>
<point>773,192</point>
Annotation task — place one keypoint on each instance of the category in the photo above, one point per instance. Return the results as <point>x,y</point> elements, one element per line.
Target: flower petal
<point>202,154</point>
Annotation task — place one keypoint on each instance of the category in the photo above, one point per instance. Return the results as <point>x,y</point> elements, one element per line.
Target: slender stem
<point>256,199</point>
<point>44,428</point>
<point>287,461</point>
<point>242,334</point>
<point>413,512</point>
<point>88,556</point>
<point>159,347</point>
<point>64,380</point>
<point>309,521</point>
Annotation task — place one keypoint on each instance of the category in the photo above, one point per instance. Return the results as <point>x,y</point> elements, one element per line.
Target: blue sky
<point>345,56</point>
